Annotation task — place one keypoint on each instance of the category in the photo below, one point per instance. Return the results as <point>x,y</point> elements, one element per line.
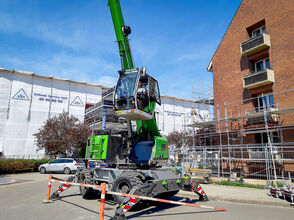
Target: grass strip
<point>229,183</point>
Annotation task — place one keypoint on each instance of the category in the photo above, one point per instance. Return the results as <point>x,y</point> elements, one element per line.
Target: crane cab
<point>135,95</point>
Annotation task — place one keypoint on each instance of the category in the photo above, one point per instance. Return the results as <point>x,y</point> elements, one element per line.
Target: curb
<point>242,201</point>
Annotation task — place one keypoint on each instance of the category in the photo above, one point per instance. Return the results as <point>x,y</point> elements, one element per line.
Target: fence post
<point>102,201</point>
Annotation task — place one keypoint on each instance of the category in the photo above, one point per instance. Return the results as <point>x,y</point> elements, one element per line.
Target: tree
<point>202,137</point>
<point>62,134</point>
<point>177,139</point>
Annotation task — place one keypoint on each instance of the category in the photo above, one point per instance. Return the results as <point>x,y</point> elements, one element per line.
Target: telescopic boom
<point>122,31</point>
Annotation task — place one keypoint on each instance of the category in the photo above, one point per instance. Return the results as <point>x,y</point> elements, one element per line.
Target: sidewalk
<point>238,195</point>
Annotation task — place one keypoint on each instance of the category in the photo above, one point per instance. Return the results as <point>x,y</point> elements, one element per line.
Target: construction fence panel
<point>245,161</point>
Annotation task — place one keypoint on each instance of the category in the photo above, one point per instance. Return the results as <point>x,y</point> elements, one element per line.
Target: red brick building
<point>253,69</point>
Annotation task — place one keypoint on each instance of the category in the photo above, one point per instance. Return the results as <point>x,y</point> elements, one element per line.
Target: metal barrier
<point>133,198</point>
<point>250,161</point>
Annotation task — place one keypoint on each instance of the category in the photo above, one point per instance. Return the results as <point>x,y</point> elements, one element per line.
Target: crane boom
<point>121,31</point>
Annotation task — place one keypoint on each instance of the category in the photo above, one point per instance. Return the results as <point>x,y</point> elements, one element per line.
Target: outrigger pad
<point>119,217</point>
<point>199,191</point>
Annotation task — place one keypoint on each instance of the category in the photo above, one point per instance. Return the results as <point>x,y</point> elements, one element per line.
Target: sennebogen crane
<point>133,158</point>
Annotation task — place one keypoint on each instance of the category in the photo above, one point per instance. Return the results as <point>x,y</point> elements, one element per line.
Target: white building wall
<point>174,113</point>
<point>27,100</point>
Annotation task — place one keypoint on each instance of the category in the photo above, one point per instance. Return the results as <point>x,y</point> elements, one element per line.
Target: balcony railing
<point>255,45</point>
<point>258,79</point>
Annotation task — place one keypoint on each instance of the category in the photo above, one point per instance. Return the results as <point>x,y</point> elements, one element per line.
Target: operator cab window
<point>154,91</point>
<point>124,93</point>
<point>143,93</point>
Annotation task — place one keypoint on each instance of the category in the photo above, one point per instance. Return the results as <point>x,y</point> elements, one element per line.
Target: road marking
<point>6,181</point>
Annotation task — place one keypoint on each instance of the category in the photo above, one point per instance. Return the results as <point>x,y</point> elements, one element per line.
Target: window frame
<point>154,92</point>
<point>259,29</point>
<point>264,64</point>
<point>268,104</point>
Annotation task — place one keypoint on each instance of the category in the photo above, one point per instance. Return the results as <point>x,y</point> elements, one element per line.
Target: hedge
<point>20,165</point>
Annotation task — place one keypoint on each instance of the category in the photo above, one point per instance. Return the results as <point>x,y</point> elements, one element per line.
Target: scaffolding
<point>101,117</point>
<point>269,155</point>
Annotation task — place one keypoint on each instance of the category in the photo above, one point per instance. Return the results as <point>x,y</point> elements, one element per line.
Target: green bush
<point>20,165</point>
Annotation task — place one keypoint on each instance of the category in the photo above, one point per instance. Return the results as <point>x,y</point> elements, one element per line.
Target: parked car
<point>64,165</point>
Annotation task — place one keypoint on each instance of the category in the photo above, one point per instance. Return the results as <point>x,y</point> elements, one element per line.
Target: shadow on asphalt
<point>159,206</point>
<point>71,195</point>
<point>108,199</point>
<point>82,207</point>
<point>149,208</point>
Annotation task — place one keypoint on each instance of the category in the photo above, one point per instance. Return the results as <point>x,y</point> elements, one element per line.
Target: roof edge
<point>50,77</point>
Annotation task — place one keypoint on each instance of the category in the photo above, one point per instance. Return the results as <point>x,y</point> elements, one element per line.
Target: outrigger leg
<point>127,204</point>
<point>195,187</point>
<point>155,189</point>
<point>61,188</point>
<point>199,191</point>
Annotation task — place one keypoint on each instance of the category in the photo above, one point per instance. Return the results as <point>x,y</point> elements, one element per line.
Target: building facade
<point>253,81</point>
<point>28,99</point>
<point>253,71</point>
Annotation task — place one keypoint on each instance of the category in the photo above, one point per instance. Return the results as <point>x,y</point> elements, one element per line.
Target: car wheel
<point>66,170</point>
<point>42,170</point>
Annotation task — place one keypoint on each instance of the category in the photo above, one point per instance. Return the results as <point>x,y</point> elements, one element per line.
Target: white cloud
<point>107,81</point>
<point>87,68</point>
<point>74,35</point>
<point>190,56</point>
<point>77,67</point>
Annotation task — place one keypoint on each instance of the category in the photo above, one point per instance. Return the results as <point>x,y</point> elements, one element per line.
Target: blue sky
<point>75,39</point>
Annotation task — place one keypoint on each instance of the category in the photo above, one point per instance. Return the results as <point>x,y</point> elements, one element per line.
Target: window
<point>154,91</point>
<point>126,85</point>
<point>259,31</point>
<point>267,100</point>
<point>262,138</point>
<point>262,65</point>
<point>56,161</point>
<point>79,161</point>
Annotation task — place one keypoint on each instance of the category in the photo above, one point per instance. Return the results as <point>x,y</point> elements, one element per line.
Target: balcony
<point>258,118</point>
<point>256,115</point>
<point>258,79</point>
<point>255,45</point>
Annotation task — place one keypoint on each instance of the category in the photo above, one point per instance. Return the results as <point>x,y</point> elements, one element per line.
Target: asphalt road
<point>23,200</point>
